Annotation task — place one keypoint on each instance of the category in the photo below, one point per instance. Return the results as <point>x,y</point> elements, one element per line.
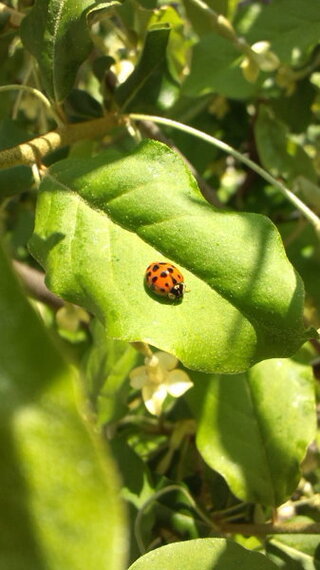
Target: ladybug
<point>165,279</point>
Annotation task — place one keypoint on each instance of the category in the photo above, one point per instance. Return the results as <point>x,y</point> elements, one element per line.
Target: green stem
<point>224,27</point>
<point>36,93</point>
<point>154,498</point>
<point>301,206</point>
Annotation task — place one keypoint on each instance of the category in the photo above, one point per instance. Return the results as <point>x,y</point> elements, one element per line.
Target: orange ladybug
<point>165,279</point>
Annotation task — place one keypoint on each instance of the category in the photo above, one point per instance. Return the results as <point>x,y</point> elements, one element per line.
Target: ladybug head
<point>177,291</point>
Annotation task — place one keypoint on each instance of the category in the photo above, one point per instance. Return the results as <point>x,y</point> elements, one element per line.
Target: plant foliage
<point>136,431</point>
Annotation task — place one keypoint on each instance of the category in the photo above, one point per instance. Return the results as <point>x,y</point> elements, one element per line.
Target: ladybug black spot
<point>155,267</point>
<point>164,273</point>
<point>154,279</point>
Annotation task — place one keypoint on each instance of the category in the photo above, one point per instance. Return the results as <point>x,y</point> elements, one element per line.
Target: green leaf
<point>204,553</point>
<point>309,192</point>
<point>59,489</point>
<point>107,370</point>
<point>290,558</point>
<point>244,300</point>
<point>304,252</point>
<point>201,23</point>
<point>81,106</point>
<point>137,488</point>
<point>143,87</point>
<point>56,33</point>
<point>177,52</point>
<point>279,152</point>
<point>215,68</point>
<point>305,545</point>
<point>291,26</point>
<point>296,110</point>
<point>254,428</point>
<point>232,8</point>
<point>99,9</point>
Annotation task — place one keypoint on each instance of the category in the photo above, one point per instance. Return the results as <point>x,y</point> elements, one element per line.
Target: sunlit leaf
<point>206,553</point>
<point>99,225</point>
<point>56,33</point>
<point>254,428</point>
<point>143,87</point>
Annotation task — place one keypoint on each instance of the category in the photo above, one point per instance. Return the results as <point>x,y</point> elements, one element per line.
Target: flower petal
<point>153,397</point>
<point>178,382</point>
<point>138,377</point>
<point>261,47</point>
<point>166,360</point>
<point>250,69</point>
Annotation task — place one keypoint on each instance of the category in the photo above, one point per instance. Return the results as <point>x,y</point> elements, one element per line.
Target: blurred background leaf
<point>59,486</point>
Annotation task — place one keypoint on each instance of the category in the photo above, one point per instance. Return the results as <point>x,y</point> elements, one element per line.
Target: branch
<point>33,280</point>
<point>34,150</point>
<point>265,529</point>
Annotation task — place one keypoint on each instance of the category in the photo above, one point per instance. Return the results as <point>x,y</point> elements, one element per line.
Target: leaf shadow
<point>160,298</point>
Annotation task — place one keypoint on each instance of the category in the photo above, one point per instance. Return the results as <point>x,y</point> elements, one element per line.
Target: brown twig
<point>33,280</point>
<point>265,529</point>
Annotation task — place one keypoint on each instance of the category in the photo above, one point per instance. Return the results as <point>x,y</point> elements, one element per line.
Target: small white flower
<point>265,58</point>
<point>157,379</point>
<point>259,58</point>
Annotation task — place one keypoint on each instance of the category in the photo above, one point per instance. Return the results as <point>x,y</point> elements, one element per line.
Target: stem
<point>301,206</point>
<point>35,149</point>
<point>143,348</point>
<point>154,498</point>
<point>225,28</point>
<point>26,77</point>
<point>33,280</point>
<point>35,92</point>
<point>269,528</point>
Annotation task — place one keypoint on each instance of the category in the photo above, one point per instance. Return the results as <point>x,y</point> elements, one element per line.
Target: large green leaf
<point>99,225</point>
<point>254,428</point>
<point>291,26</point>
<point>56,33</point>
<point>59,491</point>
<point>204,553</point>
<point>215,68</point>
